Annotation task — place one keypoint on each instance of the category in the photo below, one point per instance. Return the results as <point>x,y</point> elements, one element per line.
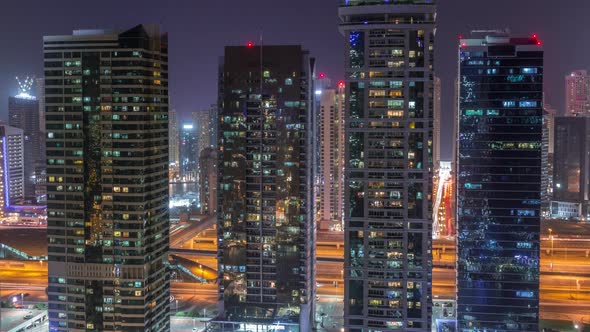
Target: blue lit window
<point>288,81</point>
<point>529,70</point>
<point>525,213</point>
<point>472,186</point>
<point>508,103</point>
<point>526,294</point>
<point>492,71</point>
<point>527,104</point>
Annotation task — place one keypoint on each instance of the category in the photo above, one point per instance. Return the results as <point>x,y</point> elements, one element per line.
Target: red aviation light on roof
<point>539,43</point>
<point>460,37</point>
<point>250,44</point>
<point>322,75</point>
<point>341,84</point>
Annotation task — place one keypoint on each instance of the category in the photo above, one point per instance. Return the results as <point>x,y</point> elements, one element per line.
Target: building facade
<point>13,152</point>
<point>577,93</point>
<point>436,123</point>
<point>499,160</point>
<point>188,152</point>
<point>208,181</point>
<point>174,136</point>
<point>331,157</point>
<point>23,113</point>
<point>388,168</point>
<point>107,180</point>
<point>265,209</point>
<point>571,162</point>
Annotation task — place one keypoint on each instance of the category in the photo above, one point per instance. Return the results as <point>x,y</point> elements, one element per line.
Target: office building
<point>106,95</point>
<point>571,162</point>
<point>498,179</point>
<point>23,113</point>
<point>187,147</point>
<point>265,209</point>
<point>202,122</point>
<point>388,178</point>
<point>13,155</point>
<point>208,181</point>
<point>436,123</point>
<point>174,135</point>
<point>331,157</point>
<point>577,93</point>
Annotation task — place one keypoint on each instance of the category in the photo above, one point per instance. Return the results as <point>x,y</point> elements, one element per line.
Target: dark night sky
<point>198,30</point>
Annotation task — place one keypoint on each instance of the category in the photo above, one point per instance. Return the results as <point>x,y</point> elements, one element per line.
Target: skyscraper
<point>388,177</point>
<point>208,181</point>
<point>331,157</point>
<point>577,93</point>
<point>571,167</point>
<point>174,136</point>
<point>13,148</point>
<point>436,123</point>
<point>23,113</point>
<point>187,147</point>
<point>202,124</point>
<point>498,179</point>
<point>265,213</point>
<point>107,186</point>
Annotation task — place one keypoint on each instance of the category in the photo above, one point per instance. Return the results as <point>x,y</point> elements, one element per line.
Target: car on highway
<point>29,315</point>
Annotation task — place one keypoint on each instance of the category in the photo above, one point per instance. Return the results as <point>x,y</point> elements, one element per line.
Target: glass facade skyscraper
<point>107,180</point>
<point>388,164</point>
<point>265,211</point>
<point>499,160</point>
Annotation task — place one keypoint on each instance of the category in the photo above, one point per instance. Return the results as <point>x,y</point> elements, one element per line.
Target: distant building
<point>265,209</point>
<point>548,150</point>
<point>331,157</point>
<point>14,164</point>
<point>23,113</point>
<point>436,134</point>
<point>188,152</point>
<point>107,186</point>
<point>208,181</point>
<point>577,93</point>
<point>173,138</point>
<point>565,210</point>
<point>204,130</point>
<point>571,162</point>
<point>499,182</point>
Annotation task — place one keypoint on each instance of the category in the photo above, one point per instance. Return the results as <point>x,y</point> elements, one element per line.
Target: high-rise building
<point>388,178</point>
<point>208,181</point>
<point>548,151</point>
<point>107,185</point>
<point>331,157</point>
<point>203,130</point>
<point>265,209</point>
<point>23,113</point>
<point>577,93</point>
<point>213,126</point>
<point>13,148</point>
<point>436,123</point>
<point>173,138</point>
<point>571,162</point>
<point>187,147</point>
<point>499,160</point>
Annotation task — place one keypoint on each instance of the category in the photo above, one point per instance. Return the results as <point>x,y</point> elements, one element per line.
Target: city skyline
<point>190,92</point>
<point>374,165</point>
